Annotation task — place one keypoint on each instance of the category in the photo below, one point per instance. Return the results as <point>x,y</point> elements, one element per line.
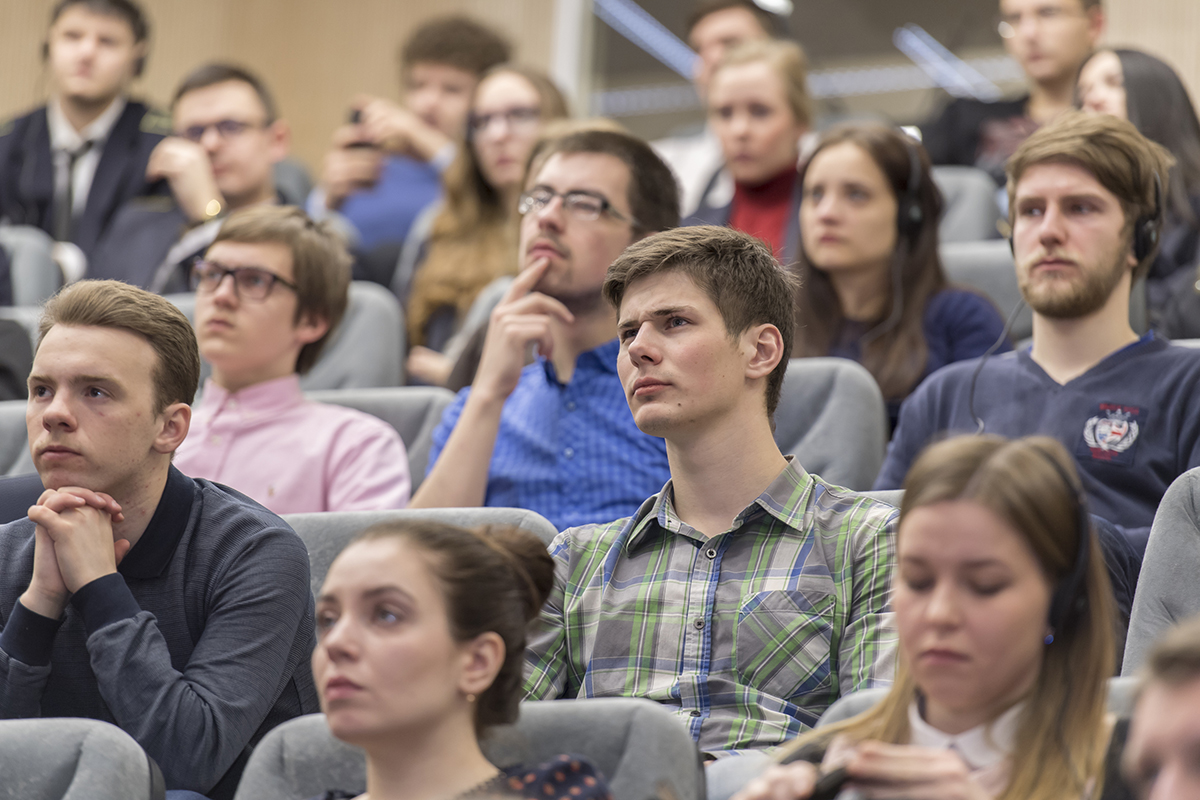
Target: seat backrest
<point>831,416</point>
<point>366,349</point>
<point>971,208</point>
<point>14,439</point>
<point>326,533</point>
<point>1167,589</point>
<point>640,747</point>
<point>988,267</point>
<point>414,411</point>
<point>35,275</point>
<point>73,759</point>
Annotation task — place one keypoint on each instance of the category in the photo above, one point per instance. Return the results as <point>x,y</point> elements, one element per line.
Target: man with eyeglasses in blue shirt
<point>556,436</point>
<point>227,139</point>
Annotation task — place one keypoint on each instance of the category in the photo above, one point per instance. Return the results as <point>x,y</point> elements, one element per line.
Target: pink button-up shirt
<point>294,455</point>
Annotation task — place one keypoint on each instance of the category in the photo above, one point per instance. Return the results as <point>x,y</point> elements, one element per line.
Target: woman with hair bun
<point>420,648</point>
<point>1005,620</point>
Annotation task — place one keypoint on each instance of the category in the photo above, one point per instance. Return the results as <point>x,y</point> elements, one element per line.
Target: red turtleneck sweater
<point>763,210</point>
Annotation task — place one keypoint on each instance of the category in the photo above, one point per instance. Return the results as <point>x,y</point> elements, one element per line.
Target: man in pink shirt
<point>268,292</point>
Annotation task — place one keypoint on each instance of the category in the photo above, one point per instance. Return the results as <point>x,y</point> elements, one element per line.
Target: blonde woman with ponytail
<point>1006,642</point>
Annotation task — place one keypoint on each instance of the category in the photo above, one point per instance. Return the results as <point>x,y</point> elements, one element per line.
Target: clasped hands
<point>73,546</point>
<point>879,771</point>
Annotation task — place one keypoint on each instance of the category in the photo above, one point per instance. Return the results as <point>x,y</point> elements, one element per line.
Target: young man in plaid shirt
<point>748,595</point>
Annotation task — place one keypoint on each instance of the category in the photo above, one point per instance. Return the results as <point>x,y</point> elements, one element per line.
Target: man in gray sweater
<point>175,608</point>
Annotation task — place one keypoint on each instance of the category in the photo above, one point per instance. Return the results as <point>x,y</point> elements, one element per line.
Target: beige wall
<point>1170,29</point>
<point>314,54</point>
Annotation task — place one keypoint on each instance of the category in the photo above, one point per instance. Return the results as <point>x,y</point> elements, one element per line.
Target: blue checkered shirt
<point>570,452</point>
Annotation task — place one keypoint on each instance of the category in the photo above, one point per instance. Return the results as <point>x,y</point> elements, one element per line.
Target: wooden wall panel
<point>1170,29</point>
<point>314,54</point>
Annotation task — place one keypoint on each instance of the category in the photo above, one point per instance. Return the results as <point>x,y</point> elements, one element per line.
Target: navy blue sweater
<point>196,647</point>
<point>1132,421</point>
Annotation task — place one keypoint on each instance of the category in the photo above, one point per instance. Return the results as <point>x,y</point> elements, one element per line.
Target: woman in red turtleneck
<point>758,106</point>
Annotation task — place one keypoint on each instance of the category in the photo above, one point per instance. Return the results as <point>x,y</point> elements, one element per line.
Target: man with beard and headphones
<point>1086,209</point>
<point>556,436</point>
<point>68,166</point>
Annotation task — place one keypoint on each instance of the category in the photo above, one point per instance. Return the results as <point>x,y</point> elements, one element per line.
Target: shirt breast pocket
<point>782,644</point>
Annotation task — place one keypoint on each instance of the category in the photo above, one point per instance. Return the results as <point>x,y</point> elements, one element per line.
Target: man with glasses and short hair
<point>228,138</point>
<point>268,292</point>
<point>90,135</point>
<point>1050,39</point>
<point>556,436</point>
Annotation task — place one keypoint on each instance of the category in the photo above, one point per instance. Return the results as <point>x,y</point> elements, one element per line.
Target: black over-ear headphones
<point>909,215</point>
<point>1069,600</point>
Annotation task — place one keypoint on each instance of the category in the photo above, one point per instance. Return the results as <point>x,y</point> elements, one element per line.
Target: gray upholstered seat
<point>73,759</point>
<point>1168,591</point>
<point>831,416</point>
<point>639,746</point>
<point>414,411</point>
<point>366,349</point>
<point>971,209</point>
<point>326,533</point>
<point>14,439</point>
<point>35,275</point>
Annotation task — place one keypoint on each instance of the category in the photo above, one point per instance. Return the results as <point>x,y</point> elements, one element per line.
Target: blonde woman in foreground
<point>1006,642</point>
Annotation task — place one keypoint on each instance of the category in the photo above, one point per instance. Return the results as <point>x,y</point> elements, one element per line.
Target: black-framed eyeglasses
<point>579,204</point>
<point>519,117</point>
<point>226,129</point>
<point>249,283</point>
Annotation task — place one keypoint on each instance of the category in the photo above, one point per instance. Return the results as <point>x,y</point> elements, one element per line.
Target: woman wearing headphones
<point>872,287</point>
<point>1004,614</point>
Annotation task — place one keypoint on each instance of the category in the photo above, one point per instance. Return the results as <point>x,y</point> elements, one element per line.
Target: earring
<point>470,698</point>
<point>1049,637</point>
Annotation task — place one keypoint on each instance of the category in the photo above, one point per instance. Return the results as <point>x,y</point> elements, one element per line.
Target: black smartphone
<point>830,784</point>
<point>355,117</point>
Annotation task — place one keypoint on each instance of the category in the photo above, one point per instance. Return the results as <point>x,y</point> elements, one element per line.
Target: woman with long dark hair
<point>1138,87</point>
<point>872,286</point>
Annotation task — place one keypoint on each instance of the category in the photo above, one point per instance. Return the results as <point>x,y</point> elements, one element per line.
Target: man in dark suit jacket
<point>68,166</point>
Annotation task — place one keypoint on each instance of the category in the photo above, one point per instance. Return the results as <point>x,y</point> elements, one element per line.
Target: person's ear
<point>175,421</point>
<point>279,140</point>
<point>1095,23</point>
<point>764,346</point>
<point>310,328</point>
<point>482,657</point>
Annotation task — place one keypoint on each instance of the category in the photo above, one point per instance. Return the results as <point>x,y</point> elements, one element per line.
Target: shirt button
<point>214,439</point>
<point>569,452</point>
<point>695,712</point>
<point>570,405</point>
<point>711,553</point>
<point>699,624</point>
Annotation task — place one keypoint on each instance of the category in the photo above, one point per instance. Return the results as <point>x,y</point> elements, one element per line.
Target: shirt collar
<point>63,135</point>
<point>152,553</point>
<point>272,395</point>
<point>983,746</point>
<point>785,499</point>
<point>598,359</point>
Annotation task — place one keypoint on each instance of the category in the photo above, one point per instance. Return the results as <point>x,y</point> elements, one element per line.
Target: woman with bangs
<point>1005,621</point>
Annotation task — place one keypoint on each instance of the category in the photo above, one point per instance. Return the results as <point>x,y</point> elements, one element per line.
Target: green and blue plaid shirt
<point>749,635</point>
